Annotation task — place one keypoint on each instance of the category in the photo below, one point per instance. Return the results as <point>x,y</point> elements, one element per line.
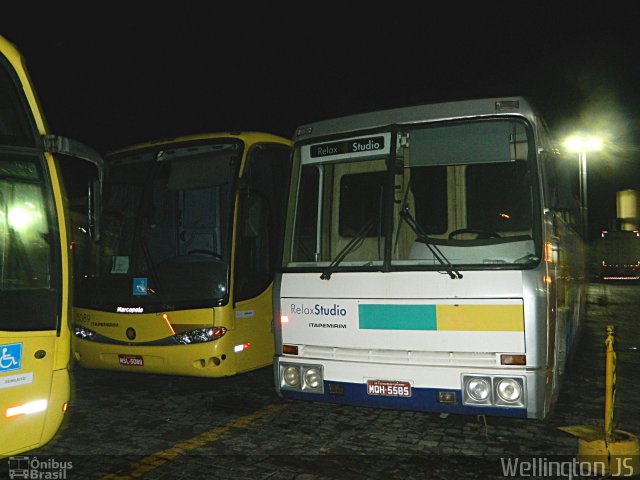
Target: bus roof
<point>417,114</point>
<point>17,62</point>
<point>249,136</point>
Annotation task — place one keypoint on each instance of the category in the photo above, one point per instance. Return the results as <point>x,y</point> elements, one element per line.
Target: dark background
<point>114,76</point>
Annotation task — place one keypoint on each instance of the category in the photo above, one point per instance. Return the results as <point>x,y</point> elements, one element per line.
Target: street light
<point>582,145</point>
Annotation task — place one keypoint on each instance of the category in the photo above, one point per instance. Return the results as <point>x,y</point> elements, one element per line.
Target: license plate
<point>131,360</point>
<point>388,388</point>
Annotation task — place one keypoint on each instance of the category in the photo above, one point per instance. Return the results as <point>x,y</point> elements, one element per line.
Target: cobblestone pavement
<point>124,425</point>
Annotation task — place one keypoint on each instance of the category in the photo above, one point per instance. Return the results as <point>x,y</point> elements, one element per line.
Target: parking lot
<point>123,425</point>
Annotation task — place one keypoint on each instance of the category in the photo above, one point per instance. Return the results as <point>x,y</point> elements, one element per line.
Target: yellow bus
<point>35,296</point>
<point>181,281</point>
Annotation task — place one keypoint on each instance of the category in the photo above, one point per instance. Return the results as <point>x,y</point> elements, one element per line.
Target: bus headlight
<point>312,378</point>
<point>200,335</point>
<point>304,378</point>
<point>509,391</point>
<point>477,390</point>
<point>497,391</point>
<point>84,333</point>
<point>291,376</point>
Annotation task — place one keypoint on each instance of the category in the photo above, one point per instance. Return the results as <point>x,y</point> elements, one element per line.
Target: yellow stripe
<point>488,318</point>
<point>158,459</point>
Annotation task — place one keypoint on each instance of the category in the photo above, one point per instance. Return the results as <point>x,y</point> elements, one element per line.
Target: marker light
<point>513,359</point>
<point>241,347</point>
<point>550,252</point>
<point>166,319</point>
<point>284,319</point>
<point>290,349</point>
<point>27,408</point>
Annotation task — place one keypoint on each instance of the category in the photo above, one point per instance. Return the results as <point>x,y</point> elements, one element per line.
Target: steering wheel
<point>481,233</point>
<point>205,252</point>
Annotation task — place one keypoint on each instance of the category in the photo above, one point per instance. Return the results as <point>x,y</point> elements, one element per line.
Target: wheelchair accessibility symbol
<point>139,286</point>
<point>10,357</point>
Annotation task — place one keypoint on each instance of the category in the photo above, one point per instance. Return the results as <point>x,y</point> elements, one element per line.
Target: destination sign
<point>350,148</point>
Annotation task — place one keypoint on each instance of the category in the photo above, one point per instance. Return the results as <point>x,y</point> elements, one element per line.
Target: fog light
<point>291,376</point>
<point>447,397</point>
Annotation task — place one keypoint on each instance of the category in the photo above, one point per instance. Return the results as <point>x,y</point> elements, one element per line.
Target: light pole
<point>582,145</point>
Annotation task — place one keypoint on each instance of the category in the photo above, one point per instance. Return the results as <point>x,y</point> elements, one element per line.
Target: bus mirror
<point>90,158</point>
<point>94,208</point>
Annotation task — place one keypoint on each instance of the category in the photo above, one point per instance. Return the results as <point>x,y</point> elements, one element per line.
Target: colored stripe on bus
<point>487,318</point>
<point>397,317</point>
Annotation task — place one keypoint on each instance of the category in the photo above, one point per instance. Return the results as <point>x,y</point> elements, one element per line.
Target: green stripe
<point>397,317</point>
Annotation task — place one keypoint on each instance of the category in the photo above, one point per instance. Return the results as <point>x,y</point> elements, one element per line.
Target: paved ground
<point>124,426</point>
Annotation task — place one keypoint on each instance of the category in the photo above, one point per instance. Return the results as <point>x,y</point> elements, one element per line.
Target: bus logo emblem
<point>10,357</point>
<point>131,333</point>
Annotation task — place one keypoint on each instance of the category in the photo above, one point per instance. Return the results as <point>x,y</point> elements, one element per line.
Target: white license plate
<point>131,360</point>
<point>388,388</point>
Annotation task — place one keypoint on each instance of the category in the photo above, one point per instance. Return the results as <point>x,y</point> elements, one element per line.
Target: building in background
<point>617,251</point>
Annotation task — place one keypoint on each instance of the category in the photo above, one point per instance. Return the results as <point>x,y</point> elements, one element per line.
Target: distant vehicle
<point>35,287</point>
<point>181,282</point>
<point>431,261</point>
<point>618,255</point>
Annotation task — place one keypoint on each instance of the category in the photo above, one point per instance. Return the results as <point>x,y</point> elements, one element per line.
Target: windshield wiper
<point>424,238</point>
<point>354,243</point>
<point>151,266</point>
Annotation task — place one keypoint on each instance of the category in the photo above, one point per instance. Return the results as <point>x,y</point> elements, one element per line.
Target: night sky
<point>114,77</point>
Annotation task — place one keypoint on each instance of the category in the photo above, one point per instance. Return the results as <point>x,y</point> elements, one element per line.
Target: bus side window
<point>261,220</point>
<point>563,185</point>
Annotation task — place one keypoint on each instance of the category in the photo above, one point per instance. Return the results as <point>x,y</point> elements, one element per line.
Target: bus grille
<point>406,357</point>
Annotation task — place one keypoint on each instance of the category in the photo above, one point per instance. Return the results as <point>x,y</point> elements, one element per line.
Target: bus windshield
<point>166,217</point>
<point>438,196</point>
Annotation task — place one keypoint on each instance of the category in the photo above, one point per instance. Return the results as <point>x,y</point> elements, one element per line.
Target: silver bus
<point>432,261</point>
